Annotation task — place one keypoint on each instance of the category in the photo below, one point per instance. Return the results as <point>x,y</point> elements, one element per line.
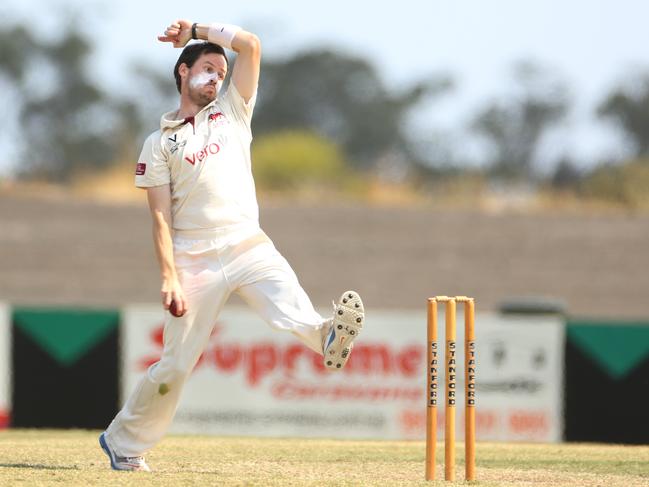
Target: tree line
<point>69,123</point>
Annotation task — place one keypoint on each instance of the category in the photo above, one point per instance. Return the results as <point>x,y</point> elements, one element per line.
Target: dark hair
<point>192,52</point>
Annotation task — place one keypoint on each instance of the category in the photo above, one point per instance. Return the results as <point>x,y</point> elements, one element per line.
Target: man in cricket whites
<point>197,173</point>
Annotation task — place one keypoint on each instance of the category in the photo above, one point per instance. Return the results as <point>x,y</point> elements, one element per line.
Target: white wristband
<point>222,34</point>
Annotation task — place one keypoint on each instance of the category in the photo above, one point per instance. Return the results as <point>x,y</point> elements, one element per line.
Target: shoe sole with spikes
<point>349,315</point>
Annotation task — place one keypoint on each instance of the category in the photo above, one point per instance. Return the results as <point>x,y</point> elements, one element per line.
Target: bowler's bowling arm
<point>159,198</point>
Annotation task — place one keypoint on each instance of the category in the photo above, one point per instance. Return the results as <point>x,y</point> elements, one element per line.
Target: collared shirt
<point>206,161</point>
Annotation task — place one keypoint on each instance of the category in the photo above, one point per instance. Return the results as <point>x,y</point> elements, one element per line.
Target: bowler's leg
<point>272,289</point>
<point>149,410</point>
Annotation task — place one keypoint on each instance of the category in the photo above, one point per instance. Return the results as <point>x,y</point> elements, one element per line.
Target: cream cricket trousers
<point>211,266</point>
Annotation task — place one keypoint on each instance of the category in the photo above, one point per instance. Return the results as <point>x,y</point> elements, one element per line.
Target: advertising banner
<point>252,380</point>
<point>611,356</point>
<point>5,372</point>
<point>65,358</point>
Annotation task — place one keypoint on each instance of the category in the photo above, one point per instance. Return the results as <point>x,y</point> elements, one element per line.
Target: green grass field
<point>65,458</point>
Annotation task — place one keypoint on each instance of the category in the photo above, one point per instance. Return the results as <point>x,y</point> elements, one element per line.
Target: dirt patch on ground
<point>55,250</point>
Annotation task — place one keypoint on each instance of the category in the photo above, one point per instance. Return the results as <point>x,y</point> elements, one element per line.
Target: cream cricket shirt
<point>206,161</point>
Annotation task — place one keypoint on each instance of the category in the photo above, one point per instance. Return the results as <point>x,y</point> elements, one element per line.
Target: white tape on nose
<point>201,79</point>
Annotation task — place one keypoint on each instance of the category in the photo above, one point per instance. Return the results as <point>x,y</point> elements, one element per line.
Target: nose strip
<point>202,79</point>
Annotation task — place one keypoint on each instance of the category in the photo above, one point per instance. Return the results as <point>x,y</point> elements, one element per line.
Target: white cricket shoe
<point>122,463</point>
<point>346,324</point>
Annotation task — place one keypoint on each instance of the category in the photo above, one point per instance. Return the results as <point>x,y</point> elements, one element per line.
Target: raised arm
<point>245,75</point>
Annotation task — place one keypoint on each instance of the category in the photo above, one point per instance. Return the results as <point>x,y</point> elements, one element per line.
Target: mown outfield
<point>74,458</point>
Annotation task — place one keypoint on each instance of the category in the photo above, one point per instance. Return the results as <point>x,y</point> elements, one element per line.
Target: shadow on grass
<point>37,466</point>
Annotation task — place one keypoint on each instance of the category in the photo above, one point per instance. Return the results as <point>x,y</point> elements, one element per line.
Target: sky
<point>593,46</point>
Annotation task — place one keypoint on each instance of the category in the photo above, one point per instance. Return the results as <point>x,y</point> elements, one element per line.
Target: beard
<point>202,96</point>
<point>198,90</point>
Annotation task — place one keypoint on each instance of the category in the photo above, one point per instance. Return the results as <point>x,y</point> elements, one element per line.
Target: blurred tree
<point>16,46</point>
<point>70,127</point>
<point>515,126</point>
<point>566,175</point>
<point>624,184</point>
<point>152,93</point>
<point>342,98</point>
<point>292,159</point>
<point>155,93</point>
<point>628,107</point>
<point>67,123</point>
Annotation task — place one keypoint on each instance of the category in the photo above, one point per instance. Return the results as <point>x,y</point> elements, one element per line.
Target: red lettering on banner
<point>5,419</point>
<point>228,359</point>
<point>368,359</point>
<point>293,390</point>
<point>157,337</point>
<point>485,421</point>
<point>529,422</point>
<point>412,421</point>
<point>409,360</point>
<point>292,354</point>
<point>262,360</point>
<point>204,153</point>
<point>259,360</point>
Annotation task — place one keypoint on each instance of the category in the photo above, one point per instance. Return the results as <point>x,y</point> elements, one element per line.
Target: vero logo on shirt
<point>203,154</point>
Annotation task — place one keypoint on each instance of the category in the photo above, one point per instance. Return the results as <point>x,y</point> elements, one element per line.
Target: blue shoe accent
<point>107,451</point>
<point>332,337</point>
<point>122,463</point>
<point>346,324</point>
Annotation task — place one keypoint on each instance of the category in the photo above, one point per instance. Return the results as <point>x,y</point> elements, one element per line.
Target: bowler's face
<point>205,78</point>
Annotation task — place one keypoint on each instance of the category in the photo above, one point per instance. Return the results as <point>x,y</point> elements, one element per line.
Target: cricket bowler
<point>196,170</point>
